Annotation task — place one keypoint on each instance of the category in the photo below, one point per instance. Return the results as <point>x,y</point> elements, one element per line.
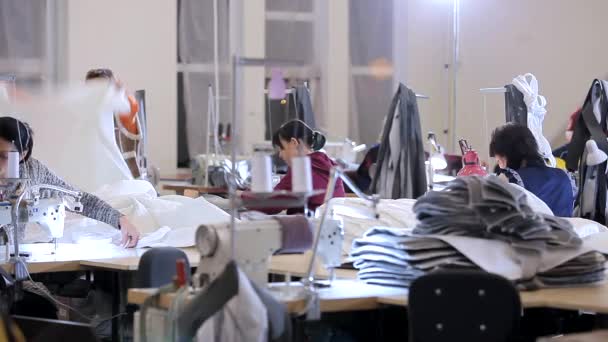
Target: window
<point>27,41</point>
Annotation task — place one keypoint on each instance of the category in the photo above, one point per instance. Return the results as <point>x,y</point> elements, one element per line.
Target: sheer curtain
<point>371,58</point>
<point>196,66</point>
<point>23,40</point>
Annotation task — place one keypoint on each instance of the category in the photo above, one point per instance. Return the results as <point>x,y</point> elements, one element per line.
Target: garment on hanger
<point>304,106</point>
<point>210,317</point>
<point>535,107</point>
<point>400,170</point>
<point>515,107</point>
<point>591,124</point>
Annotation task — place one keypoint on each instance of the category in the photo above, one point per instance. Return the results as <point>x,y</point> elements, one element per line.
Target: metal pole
<point>216,60</point>
<point>210,132</point>
<point>232,183</point>
<point>455,53</point>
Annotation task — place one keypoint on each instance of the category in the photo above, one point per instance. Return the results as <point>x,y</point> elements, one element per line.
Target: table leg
<point>116,307</point>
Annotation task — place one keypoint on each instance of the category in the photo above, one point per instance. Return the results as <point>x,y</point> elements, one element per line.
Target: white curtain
<point>196,54</point>
<point>371,54</point>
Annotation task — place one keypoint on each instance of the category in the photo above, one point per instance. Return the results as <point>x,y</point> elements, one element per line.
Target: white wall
<point>557,40</point>
<point>137,39</point>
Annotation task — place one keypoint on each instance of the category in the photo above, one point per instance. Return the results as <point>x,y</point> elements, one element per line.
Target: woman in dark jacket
<point>516,152</point>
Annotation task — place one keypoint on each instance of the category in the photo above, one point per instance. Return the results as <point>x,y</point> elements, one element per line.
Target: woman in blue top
<point>516,152</point>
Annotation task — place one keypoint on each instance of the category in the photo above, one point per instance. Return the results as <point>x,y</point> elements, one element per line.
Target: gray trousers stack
<point>483,208</point>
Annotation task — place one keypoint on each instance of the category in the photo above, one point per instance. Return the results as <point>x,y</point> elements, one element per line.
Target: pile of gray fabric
<point>479,223</point>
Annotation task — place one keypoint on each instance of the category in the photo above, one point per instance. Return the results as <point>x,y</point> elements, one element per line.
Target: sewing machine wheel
<point>206,240</point>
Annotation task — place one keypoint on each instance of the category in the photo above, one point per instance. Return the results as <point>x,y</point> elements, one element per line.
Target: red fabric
<point>572,121</point>
<point>321,165</point>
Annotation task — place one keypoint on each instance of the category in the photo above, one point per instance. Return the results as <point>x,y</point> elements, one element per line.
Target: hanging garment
<point>591,124</point>
<point>229,309</point>
<point>535,104</point>
<point>298,105</point>
<point>515,107</point>
<point>304,106</point>
<point>400,171</point>
<point>242,318</point>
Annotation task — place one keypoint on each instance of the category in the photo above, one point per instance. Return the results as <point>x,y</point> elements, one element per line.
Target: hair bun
<point>318,140</point>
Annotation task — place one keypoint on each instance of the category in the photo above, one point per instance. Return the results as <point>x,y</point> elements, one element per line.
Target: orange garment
<point>129,120</point>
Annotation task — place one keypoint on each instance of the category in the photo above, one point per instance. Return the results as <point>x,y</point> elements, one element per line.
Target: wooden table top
<point>353,295</point>
<point>594,336</point>
<point>343,295</point>
<point>592,298</point>
<point>180,188</point>
<point>78,257</point>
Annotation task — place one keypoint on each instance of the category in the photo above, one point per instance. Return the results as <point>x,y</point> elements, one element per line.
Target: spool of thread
<point>261,173</point>
<point>13,165</point>
<point>301,176</point>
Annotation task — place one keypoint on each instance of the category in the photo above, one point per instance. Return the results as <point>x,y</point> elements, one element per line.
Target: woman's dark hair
<point>517,143</point>
<point>19,133</point>
<point>99,73</point>
<point>299,130</point>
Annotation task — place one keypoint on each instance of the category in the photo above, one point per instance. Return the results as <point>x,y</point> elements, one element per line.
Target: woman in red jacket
<point>294,139</point>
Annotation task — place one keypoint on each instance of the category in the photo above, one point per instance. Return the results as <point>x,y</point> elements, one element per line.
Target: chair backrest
<point>157,267</point>
<point>463,306</point>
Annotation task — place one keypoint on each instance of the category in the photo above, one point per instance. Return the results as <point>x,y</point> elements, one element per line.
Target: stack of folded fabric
<point>479,223</point>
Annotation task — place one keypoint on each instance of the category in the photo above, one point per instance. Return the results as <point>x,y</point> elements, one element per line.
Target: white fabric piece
<point>356,215</point>
<point>74,133</point>
<point>243,318</point>
<point>528,86</point>
<point>162,221</point>
<point>499,257</point>
<point>584,227</point>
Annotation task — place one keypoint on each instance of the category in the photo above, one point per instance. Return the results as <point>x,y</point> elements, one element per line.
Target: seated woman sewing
<point>16,135</point>
<point>516,152</point>
<point>294,139</point>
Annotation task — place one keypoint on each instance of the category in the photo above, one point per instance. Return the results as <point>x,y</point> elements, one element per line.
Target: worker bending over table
<point>16,135</point>
<point>294,139</point>
<point>516,152</point>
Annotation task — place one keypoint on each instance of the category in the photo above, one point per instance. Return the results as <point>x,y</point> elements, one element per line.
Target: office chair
<point>157,267</point>
<point>463,306</point>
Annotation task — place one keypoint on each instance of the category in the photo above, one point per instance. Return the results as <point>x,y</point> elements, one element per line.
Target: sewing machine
<point>254,243</point>
<point>48,211</point>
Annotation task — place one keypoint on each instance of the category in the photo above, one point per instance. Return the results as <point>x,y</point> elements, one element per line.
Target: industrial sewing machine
<point>46,208</point>
<point>254,243</point>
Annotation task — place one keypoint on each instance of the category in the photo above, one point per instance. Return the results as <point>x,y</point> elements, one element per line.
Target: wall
<point>556,40</point>
<point>136,39</point>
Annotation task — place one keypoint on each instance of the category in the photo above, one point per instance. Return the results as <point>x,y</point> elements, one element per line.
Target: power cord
<point>45,293</point>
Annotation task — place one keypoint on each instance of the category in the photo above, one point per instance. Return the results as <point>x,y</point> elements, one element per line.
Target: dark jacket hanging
<point>587,127</point>
<point>400,171</point>
<point>304,108</point>
<point>515,108</point>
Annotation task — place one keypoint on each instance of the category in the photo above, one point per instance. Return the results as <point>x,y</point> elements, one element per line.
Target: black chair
<point>463,306</point>
<point>157,267</point>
